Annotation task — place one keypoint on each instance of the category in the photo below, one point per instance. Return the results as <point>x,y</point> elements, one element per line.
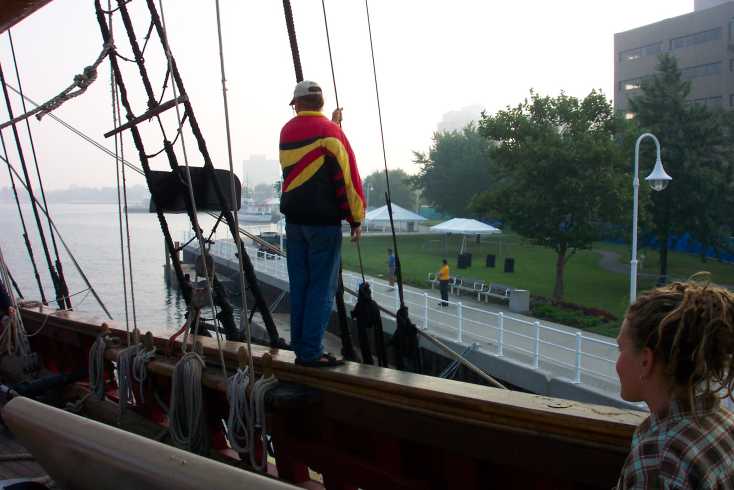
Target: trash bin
<point>509,264</point>
<point>463,261</point>
<point>520,300</point>
<point>490,260</point>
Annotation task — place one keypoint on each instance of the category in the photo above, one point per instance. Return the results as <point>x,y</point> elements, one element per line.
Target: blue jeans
<point>314,254</point>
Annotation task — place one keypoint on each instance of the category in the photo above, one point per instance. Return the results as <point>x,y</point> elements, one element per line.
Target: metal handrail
<point>502,325</point>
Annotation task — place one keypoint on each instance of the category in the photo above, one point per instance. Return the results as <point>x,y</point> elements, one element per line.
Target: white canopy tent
<point>404,219</point>
<point>464,226</point>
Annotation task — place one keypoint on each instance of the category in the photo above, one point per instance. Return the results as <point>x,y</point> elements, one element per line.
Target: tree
<point>402,194</point>
<point>559,172</point>
<point>454,171</point>
<point>694,146</point>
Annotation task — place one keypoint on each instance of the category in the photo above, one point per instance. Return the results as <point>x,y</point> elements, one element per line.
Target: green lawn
<point>586,282</point>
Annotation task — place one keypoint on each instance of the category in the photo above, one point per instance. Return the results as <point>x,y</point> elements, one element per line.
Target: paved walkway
<point>557,350</point>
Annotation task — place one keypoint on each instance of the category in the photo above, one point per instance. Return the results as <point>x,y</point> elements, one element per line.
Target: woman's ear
<point>647,362</point>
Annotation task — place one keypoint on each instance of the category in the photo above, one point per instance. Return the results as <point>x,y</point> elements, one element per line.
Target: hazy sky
<point>433,58</point>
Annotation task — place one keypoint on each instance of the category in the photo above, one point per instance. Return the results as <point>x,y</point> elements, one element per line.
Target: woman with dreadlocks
<point>675,354</point>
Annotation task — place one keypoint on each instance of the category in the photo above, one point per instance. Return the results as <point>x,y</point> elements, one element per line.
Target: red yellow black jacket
<point>321,183</point>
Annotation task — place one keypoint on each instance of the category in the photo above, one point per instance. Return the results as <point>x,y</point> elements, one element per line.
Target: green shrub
<point>571,317</point>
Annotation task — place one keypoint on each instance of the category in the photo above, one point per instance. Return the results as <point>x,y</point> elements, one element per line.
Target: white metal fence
<point>573,355</point>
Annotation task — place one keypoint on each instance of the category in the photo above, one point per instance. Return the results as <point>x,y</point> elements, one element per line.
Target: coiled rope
<point>140,370</point>
<point>259,420</point>
<point>187,424</point>
<point>239,421</point>
<point>124,375</point>
<point>13,338</point>
<point>96,366</point>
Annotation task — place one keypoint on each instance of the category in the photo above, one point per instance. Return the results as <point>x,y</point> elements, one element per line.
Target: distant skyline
<point>435,60</point>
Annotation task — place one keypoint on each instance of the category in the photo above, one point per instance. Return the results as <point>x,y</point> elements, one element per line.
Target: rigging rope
<point>259,420</point>
<point>187,424</point>
<point>275,339</point>
<point>96,366</point>
<point>140,370</point>
<point>292,39</point>
<point>347,347</point>
<point>59,268</point>
<point>81,82</point>
<point>197,229</point>
<point>79,133</point>
<point>39,226</point>
<point>138,142</point>
<point>125,361</point>
<point>244,323</point>
<point>63,243</point>
<point>239,419</point>
<point>118,141</point>
<point>26,237</point>
<point>13,337</point>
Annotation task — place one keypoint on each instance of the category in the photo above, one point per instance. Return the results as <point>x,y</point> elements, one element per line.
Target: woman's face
<point>629,366</point>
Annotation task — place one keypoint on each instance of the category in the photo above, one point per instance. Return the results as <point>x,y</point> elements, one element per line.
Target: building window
<point>695,39</point>
<point>700,71</point>
<point>710,102</point>
<point>637,53</point>
<point>629,85</point>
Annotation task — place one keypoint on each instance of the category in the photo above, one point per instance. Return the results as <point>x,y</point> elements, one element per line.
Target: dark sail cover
<point>169,190</point>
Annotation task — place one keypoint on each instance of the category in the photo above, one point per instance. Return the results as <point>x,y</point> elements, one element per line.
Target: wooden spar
<point>149,114</point>
<point>475,405</point>
<point>113,458</point>
<point>14,11</point>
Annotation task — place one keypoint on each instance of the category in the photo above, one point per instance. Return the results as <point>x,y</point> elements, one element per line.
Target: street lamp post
<point>658,180</point>
<point>369,194</point>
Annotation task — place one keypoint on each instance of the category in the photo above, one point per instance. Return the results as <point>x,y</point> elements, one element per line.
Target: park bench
<point>498,291</point>
<point>433,279</point>
<point>455,283</point>
<point>472,286</point>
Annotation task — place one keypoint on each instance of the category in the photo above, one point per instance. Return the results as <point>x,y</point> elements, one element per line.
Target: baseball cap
<point>306,87</point>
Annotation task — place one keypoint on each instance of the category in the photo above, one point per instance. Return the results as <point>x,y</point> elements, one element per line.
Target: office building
<point>702,42</point>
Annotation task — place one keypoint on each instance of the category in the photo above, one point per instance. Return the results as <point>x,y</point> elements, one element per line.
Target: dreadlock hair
<point>690,327</point>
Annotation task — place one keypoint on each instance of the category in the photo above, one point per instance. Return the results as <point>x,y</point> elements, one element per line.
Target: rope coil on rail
<point>187,424</point>
<point>125,362</point>
<point>239,420</point>
<point>259,420</point>
<point>140,369</point>
<point>96,366</point>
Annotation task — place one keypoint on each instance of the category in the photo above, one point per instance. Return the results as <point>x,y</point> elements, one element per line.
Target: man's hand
<point>356,233</point>
<point>336,116</point>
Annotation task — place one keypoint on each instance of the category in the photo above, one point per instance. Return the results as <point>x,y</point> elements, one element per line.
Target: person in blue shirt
<point>391,267</point>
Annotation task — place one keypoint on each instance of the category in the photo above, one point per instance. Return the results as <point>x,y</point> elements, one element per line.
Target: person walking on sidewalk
<point>321,186</point>
<point>391,268</point>
<point>443,282</point>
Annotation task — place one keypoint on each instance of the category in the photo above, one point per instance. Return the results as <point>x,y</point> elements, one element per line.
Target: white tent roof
<point>465,226</point>
<point>398,214</point>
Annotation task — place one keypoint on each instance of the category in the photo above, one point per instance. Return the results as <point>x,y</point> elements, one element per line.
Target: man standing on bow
<point>321,186</point>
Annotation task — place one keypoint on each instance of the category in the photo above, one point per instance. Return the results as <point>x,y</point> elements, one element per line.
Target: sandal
<point>325,360</point>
